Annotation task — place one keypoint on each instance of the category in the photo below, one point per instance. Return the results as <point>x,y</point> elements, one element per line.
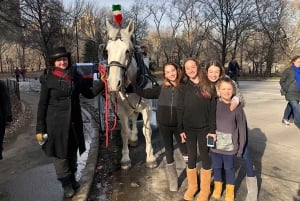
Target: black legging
<point>191,141</point>
<point>167,135</point>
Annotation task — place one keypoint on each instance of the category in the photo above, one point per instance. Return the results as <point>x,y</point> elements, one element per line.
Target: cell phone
<point>210,141</point>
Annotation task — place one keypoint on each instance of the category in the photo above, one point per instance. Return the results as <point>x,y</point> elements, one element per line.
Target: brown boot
<point>205,177</point>
<point>217,190</point>
<point>192,184</point>
<point>229,192</point>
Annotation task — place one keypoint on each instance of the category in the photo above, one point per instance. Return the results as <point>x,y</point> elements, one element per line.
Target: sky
<point>107,3</point>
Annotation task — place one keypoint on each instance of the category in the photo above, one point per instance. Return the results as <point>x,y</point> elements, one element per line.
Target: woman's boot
<point>217,190</point>
<point>75,184</point>
<point>67,186</point>
<point>205,177</point>
<point>192,184</point>
<point>252,188</point>
<point>172,176</point>
<point>229,196</point>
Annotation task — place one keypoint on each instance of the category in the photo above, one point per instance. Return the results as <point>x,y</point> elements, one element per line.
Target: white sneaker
<point>285,122</point>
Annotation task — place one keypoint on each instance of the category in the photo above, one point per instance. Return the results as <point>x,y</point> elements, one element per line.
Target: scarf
<point>297,76</point>
<point>61,73</point>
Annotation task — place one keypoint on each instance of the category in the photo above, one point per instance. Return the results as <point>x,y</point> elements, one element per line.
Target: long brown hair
<point>217,64</point>
<point>204,85</point>
<point>166,82</point>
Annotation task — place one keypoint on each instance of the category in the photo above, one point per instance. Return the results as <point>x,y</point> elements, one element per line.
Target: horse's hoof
<point>133,143</point>
<point>151,164</point>
<point>126,165</point>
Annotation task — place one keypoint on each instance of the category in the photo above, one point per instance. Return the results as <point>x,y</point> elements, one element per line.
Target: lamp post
<point>77,44</point>
<point>23,39</point>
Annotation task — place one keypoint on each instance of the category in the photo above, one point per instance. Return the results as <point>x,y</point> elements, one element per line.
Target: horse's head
<point>121,65</point>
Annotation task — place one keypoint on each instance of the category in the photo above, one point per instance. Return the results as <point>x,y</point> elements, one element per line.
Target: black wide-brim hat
<point>59,52</point>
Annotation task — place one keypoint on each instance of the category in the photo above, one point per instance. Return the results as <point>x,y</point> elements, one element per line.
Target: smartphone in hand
<point>210,141</point>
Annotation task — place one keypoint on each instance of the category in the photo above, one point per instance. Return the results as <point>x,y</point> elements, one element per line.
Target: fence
<point>13,87</point>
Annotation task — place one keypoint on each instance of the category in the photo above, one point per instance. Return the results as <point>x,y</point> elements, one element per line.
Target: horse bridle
<point>124,67</point>
<point>129,55</point>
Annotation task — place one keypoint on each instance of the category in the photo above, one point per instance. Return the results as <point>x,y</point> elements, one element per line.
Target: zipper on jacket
<point>172,101</point>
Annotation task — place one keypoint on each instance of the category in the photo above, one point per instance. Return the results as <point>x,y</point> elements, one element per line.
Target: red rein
<point>102,71</point>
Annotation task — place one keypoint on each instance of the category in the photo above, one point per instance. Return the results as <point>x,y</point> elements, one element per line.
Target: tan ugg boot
<point>217,189</point>
<point>229,196</point>
<point>192,184</point>
<point>205,176</point>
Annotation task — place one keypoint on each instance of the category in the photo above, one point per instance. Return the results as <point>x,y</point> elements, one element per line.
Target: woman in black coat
<point>5,112</point>
<point>59,115</point>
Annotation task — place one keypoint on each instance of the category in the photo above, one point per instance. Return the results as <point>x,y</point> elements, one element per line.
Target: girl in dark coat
<point>167,116</point>
<point>59,115</point>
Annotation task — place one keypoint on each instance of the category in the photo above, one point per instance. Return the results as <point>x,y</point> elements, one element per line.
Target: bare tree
<point>291,35</point>
<point>157,11</point>
<point>230,20</point>
<point>271,17</point>
<point>138,13</point>
<point>190,26</point>
<point>42,20</point>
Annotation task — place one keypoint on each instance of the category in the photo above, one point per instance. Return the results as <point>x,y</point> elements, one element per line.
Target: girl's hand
<point>212,135</point>
<point>183,137</point>
<point>234,103</point>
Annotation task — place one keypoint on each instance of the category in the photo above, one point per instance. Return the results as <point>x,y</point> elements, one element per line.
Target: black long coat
<point>59,112</point>
<point>5,106</point>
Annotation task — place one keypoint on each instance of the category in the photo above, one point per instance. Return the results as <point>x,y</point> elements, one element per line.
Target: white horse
<point>122,68</point>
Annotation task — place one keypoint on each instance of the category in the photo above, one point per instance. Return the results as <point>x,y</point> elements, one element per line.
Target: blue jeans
<point>296,111</point>
<point>248,162</point>
<point>218,160</point>
<point>288,112</point>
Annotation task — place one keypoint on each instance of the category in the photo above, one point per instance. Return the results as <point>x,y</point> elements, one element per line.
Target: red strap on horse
<point>102,71</point>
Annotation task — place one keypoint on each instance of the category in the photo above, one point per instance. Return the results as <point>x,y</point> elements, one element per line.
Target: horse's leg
<point>133,140</point>
<point>147,131</point>
<point>125,133</point>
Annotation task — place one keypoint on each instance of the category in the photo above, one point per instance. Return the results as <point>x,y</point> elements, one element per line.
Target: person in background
<point>59,116</point>
<point>288,115</point>
<point>214,72</point>
<point>233,70</point>
<point>17,74</point>
<point>231,138</point>
<point>5,112</point>
<point>196,113</point>
<point>23,73</point>
<point>166,93</point>
<point>290,84</point>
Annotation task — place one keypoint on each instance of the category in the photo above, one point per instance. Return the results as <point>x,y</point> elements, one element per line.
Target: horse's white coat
<point>119,49</point>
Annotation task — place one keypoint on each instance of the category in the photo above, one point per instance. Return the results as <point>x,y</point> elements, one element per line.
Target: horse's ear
<point>109,27</point>
<point>130,27</point>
